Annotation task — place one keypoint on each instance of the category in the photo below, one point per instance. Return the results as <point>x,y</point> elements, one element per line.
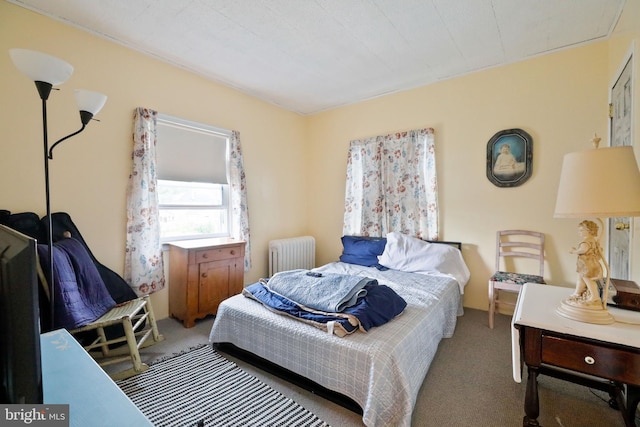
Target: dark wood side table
<point>604,357</point>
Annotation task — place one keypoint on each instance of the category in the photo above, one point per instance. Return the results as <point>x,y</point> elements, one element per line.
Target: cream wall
<point>560,99</point>
<point>296,165</point>
<point>89,172</point>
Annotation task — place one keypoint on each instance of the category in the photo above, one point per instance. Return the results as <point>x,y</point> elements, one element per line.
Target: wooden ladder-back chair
<point>511,245</point>
<point>140,330</point>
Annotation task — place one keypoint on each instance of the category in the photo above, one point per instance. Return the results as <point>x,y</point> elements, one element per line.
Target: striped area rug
<point>202,388</point>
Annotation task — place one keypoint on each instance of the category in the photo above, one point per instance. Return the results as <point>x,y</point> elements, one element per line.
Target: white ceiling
<point>313,55</point>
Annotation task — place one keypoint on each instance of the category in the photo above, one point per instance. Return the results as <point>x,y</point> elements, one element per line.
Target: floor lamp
<point>47,71</point>
<point>597,183</point>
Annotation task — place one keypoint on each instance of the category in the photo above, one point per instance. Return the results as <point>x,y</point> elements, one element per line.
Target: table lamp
<point>596,183</point>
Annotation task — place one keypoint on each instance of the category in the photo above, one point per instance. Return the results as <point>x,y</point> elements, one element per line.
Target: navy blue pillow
<point>363,250</point>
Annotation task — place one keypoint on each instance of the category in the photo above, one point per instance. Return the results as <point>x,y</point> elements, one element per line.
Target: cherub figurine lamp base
<point>591,186</point>
<point>588,303</point>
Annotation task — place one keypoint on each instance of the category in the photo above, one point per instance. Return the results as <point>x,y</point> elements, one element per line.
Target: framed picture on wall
<point>509,158</point>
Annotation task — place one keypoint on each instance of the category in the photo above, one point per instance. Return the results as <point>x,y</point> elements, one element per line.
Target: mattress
<point>382,370</point>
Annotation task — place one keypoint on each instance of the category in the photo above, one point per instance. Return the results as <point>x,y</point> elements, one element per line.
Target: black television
<point>20,359</point>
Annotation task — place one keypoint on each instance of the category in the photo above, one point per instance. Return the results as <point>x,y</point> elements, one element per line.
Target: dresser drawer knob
<point>233,252</point>
<point>589,360</point>
<point>205,255</point>
<point>204,275</point>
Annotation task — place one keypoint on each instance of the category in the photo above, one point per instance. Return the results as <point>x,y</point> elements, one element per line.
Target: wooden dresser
<point>203,273</point>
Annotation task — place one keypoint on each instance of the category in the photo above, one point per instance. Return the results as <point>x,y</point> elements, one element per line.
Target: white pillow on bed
<point>406,253</point>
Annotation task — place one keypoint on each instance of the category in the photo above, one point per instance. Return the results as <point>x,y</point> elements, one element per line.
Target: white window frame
<point>190,126</point>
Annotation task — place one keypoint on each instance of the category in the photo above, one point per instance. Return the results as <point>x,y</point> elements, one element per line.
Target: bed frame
<point>289,376</point>
<point>444,242</point>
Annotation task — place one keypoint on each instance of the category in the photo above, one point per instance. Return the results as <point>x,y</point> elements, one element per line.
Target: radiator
<point>290,254</point>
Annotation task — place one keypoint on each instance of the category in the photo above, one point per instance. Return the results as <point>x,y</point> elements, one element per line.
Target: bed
<point>381,370</point>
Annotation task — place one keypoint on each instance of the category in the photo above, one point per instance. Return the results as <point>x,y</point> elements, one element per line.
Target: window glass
<point>191,210</point>
<point>192,223</point>
<point>192,187</point>
<point>189,193</point>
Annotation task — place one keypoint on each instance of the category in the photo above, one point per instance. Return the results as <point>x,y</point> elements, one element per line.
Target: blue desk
<point>71,376</point>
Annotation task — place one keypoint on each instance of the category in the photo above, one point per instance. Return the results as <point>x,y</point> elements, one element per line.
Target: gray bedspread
<point>382,370</point>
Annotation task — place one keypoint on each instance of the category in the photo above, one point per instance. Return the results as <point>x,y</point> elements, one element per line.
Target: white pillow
<point>406,253</point>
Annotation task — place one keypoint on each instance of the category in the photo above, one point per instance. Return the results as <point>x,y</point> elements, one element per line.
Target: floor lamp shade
<point>599,183</point>
<point>91,102</point>
<point>41,67</point>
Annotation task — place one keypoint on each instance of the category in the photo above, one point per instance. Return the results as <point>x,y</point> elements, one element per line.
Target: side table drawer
<point>216,254</point>
<point>605,362</point>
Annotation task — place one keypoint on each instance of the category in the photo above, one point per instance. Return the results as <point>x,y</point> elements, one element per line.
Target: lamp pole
<point>44,89</point>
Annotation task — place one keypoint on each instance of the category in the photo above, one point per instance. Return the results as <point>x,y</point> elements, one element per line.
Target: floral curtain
<point>238,196</point>
<point>143,268</point>
<point>392,185</point>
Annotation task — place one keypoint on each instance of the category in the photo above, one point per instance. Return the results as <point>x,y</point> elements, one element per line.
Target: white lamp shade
<point>41,67</point>
<point>89,101</point>
<point>599,183</point>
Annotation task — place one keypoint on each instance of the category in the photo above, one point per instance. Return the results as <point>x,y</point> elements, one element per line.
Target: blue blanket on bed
<point>326,292</point>
<point>380,305</point>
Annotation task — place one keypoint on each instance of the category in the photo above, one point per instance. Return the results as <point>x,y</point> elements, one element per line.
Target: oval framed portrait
<point>509,158</point>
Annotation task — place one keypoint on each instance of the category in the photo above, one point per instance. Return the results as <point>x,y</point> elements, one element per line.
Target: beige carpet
<point>469,383</point>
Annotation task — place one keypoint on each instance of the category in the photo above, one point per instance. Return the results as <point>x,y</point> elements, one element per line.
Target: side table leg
<point>633,397</point>
<point>531,403</point>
